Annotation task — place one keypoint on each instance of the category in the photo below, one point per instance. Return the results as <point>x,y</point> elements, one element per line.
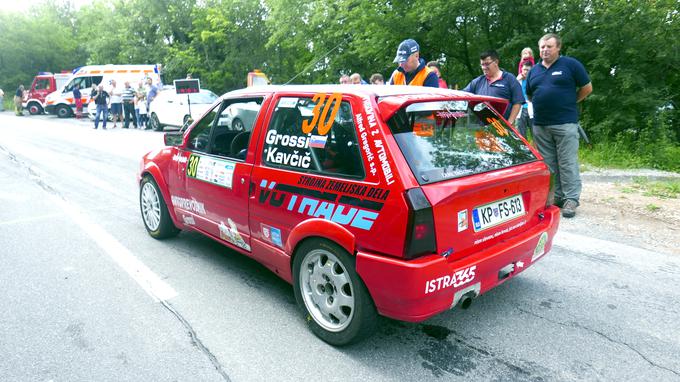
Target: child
<point>527,56</point>
<point>142,114</point>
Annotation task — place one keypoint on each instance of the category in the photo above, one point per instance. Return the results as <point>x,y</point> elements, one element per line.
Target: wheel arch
<point>319,229</point>
<point>153,171</point>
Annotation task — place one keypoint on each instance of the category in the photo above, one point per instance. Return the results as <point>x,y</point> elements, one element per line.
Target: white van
<point>61,102</point>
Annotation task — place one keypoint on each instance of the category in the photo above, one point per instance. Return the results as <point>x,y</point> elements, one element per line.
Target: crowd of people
<point>542,99</point>
<point>127,104</point>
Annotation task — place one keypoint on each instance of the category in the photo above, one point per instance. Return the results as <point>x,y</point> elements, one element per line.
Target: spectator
<point>555,86</point>
<point>77,98</point>
<point>356,79</point>
<point>526,114</point>
<point>128,98</point>
<point>527,55</point>
<point>2,100</point>
<point>496,82</point>
<point>434,66</point>
<point>143,118</point>
<point>151,92</point>
<point>101,99</point>
<point>140,99</point>
<point>344,80</point>
<point>116,102</point>
<point>412,69</point>
<point>377,79</point>
<point>18,100</point>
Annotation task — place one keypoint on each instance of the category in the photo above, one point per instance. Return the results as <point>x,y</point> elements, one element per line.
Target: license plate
<point>498,212</point>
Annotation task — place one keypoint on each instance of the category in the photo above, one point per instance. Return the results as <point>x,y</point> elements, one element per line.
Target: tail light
<point>420,235</point>
<point>551,193</point>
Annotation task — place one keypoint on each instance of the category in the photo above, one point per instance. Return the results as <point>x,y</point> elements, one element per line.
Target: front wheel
<point>34,108</point>
<point>155,123</point>
<point>154,211</point>
<point>336,303</point>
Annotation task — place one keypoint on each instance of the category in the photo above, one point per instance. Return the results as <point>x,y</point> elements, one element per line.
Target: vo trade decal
<point>341,209</point>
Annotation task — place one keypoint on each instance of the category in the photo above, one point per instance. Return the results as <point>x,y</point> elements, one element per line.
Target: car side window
<point>315,135</point>
<point>199,137</point>
<point>232,132</point>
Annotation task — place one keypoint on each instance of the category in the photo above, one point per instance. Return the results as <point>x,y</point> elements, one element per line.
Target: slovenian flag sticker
<point>318,141</point>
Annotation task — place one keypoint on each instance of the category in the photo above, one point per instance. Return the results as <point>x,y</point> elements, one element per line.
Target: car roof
<point>390,97</point>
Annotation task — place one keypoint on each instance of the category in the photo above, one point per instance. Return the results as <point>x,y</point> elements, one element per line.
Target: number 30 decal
<point>320,118</point>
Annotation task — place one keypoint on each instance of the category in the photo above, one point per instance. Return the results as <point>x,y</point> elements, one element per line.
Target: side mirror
<point>173,139</point>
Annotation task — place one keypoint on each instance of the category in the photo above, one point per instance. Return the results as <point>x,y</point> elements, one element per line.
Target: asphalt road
<point>87,295</point>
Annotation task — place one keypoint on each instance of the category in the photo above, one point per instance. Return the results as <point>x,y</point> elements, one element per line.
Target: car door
<point>217,175</point>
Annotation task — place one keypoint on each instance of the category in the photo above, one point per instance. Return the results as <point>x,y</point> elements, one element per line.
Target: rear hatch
<point>484,183</point>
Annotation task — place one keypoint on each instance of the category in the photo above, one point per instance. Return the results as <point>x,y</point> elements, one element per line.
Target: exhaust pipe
<point>466,301</point>
<point>463,298</point>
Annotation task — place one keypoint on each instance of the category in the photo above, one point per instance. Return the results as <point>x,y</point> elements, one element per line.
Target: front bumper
<point>51,109</point>
<point>418,289</point>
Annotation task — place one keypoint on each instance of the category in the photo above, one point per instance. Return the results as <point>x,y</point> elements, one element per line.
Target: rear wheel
<point>63,111</point>
<point>336,303</point>
<point>34,108</point>
<point>155,123</point>
<point>154,211</point>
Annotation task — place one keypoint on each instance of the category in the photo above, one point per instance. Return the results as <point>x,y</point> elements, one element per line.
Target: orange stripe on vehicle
<point>135,71</point>
<point>108,71</point>
<point>121,71</point>
<point>69,100</point>
<point>147,71</point>
<point>95,71</point>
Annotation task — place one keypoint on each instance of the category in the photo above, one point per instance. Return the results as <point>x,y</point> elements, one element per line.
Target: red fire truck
<point>43,84</point>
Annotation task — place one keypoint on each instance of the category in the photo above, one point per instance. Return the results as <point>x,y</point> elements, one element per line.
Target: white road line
<point>30,219</point>
<point>158,289</point>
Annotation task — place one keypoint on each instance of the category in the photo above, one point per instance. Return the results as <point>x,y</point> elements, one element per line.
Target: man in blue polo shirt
<point>554,86</point>
<point>497,83</point>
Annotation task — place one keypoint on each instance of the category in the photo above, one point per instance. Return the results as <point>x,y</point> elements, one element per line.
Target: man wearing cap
<point>496,82</point>
<point>412,69</point>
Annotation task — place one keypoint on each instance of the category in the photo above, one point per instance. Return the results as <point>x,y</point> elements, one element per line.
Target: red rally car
<point>403,201</point>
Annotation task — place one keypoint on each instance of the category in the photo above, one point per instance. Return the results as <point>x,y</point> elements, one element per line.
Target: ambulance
<point>61,102</point>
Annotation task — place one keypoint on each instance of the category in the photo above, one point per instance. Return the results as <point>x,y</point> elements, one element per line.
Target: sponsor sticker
<point>211,170</point>
<point>455,280</point>
<point>272,235</point>
<point>188,220</point>
<point>229,232</point>
<point>288,102</point>
<point>540,247</point>
<point>462,220</point>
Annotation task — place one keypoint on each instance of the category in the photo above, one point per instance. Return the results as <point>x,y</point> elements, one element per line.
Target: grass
<point>667,189</point>
<point>652,207</point>
<point>614,155</point>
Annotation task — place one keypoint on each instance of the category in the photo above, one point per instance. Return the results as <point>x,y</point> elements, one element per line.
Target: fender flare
<point>325,229</point>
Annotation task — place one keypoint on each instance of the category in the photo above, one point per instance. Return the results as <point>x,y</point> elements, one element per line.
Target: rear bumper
<point>419,289</point>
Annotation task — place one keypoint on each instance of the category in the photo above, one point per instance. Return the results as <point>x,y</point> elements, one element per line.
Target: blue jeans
<point>558,144</point>
<point>101,109</point>
<point>138,118</point>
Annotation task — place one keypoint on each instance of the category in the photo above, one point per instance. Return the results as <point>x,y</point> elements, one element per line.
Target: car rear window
<point>451,139</point>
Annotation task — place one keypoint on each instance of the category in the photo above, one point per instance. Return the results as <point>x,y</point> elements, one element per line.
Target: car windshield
<point>451,139</point>
<point>203,97</point>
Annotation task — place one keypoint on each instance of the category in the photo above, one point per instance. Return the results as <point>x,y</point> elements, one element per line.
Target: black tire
<point>155,123</point>
<point>327,273</point>
<point>34,108</point>
<point>154,211</point>
<point>63,111</point>
<point>237,125</point>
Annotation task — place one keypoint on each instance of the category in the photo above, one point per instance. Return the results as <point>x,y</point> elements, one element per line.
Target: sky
<point>24,5</point>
